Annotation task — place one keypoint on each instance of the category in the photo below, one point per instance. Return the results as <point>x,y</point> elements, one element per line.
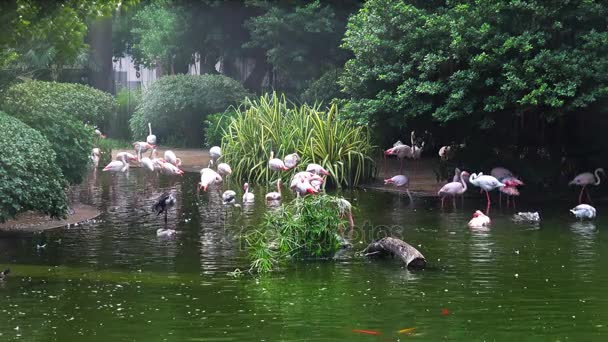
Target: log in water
<point>394,247</point>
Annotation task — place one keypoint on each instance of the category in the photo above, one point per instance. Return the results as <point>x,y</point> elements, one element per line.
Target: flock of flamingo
<point>499,178</point>
<point>310,180</point>
<point>304,182</point>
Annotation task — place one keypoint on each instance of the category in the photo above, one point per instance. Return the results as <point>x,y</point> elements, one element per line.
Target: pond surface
<point>114,280</point>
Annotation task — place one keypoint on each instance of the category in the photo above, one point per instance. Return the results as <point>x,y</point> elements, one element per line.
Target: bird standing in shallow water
<point>165,202</point>
<point>486,183</point>
<point>400,181</point>
<point>248,197</point>
<point>229,197</point>
<point>587,178</point>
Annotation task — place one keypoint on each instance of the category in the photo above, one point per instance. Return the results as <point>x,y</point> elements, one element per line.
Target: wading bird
<point>151,138</point>
<point>224,169</point>
<point>583,211</point>
<point>215,153</point>
<point>170,157</point>
<point>400,181</point>
<point>400,150</point>
<point>479,220</point>
<point>587,178</point>
<point>291,160</point>
<point>276,164</point>
<point>229,197</point>
<point>142,147</point>
<point>501,173</point>
<point>486,183</point>
<point>95,156</point>
<point>510,189</point>
<point>316,169</point>
<point>208,177</point>
<point>248,197</point>
<point>117,165</point>
<point>346,209</point>
<point>165,202</point>
<point>275,195</point>
<point>453,189</point>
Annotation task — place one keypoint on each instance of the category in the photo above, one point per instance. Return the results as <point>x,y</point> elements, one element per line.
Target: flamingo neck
<point>597,177</point>
<point>464,184</point>
<point>150,128</point>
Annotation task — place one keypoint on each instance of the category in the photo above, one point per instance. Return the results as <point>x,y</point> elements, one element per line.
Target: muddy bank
<point>32,221</point>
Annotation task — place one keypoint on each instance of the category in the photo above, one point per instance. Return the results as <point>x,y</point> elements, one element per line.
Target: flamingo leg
<point>513,201</point>
<point>580,196</point>
<point>488,198</point>
<point>442,198</point>
<point>166,212</point>
<point>500,200</point>
<point>588,196</point>
<point>454,202</point>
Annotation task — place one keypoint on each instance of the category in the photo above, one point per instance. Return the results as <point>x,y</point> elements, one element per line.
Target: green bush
<point>304,228</point>
<point>177,105</point>
<point>324,89</point>
<point>89,105</point>
<point>29,177</point>
<point>216,126</point>
<point>322,137</point>
<point>71,140</point>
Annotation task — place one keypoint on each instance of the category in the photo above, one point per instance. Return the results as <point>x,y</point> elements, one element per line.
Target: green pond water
<point>114,280</point>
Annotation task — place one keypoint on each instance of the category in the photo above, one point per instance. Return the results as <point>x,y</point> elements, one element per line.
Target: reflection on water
<point>114,279</point>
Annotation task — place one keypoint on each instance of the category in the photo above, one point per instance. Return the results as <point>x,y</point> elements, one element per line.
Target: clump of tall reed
<point>271,123</point>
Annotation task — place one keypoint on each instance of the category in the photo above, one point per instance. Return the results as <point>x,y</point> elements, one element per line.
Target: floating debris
<point>368,332</point>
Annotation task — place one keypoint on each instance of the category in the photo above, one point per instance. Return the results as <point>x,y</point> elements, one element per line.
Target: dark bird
<point>163,204</point>
<point>4,273</point>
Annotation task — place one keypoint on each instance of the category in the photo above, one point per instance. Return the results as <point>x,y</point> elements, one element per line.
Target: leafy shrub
<point>304,228</point>
<point>216,126</point>
<point>273,124</point>
<point>177,105</point>
<point>89,105</point>
<point>29,177</point>
<point>324,89</point>
<point>71,140</point>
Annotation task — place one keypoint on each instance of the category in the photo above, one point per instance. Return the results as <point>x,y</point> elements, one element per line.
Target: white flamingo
<point>208,178</point>
<point>486,183</point>
<point>95,156</point>
<point>453,189</point>
<point>170,157</point>
<point>479,220</point>
<point>117,166</point>
<point>275,195</point>
<point>224,169</point>
<point>151,138</point>
<point>291,160</point>
<point>276,164</point>
<point>585,179</point>
<point>141,147</point>
<point>583,211</point>
<point>170,170</point>
<point>248,197</point>
<point>147,164</point>
<point>346,209</point>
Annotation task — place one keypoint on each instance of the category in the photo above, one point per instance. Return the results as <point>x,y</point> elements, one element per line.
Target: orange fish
<point>369,332</point>
<point>445,311</point>
<point>406,330</point>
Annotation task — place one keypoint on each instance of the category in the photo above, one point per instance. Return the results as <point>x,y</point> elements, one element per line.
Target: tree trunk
<point>256,77</point>
<point>393,247</point>
<point>100,39</point>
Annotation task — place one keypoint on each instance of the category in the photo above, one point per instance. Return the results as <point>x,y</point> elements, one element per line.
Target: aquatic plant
<point>271,123</point>
<point>29,177</point>
<point>305,228</point>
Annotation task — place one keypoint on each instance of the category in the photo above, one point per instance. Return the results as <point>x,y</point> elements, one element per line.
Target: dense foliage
<point>83,103</point>
<point>216,126</point>
<point>128,101</point>
<point>498,65</point>
<point>177,105</point>
<point>305,228</point>
<point>70,139</point>
<point>29,177</point>
<point>273,124</point>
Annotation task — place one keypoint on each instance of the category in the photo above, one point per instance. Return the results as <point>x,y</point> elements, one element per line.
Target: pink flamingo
<point>346,209</point>
<point>275,196</point>
<point>208,177</point>
<point>587,178</point>
<point>291,160</point>
<point>479,220</point>
<point>486,183</point>
<point>400,150</point>
<point>317,169</point>
<point>501,173</point>
<point>510,189</point>
<point>400,181</point>
<point>118,165</point>
<point>453,189</point>
<point>276,164</point>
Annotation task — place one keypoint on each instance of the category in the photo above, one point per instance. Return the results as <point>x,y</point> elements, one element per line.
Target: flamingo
<point>317,169</point>
<point>224,169</point>
<point>141,147</point>
<point>208,177</point>
<point>215,153</point>
<point>486,183</point>
<point>147,164</point>
<point>129,157</point>
<point>291,160</point>
<point>501,173</point>
<point>170,157</point>
<point>453,189</point>
<point>117,165</point>
<point>165,202</point>
<point>585,179</point>
<point>276,164</point>
<point>510,189</point>
<point>457,176</point>
<point>401,151</point>
<point>583,211</point>
<point>303,180</point>
<point>303,187</point>
<point>479,220</point>
<point>151,138</point>
<point>248,197</point>
<point>445,152</point>
<point>170,169</point>
<point>400,181</point>
<point>275,196</point>
<point>229,197</point>
<point>346,209</point>
<point>95,156</point>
